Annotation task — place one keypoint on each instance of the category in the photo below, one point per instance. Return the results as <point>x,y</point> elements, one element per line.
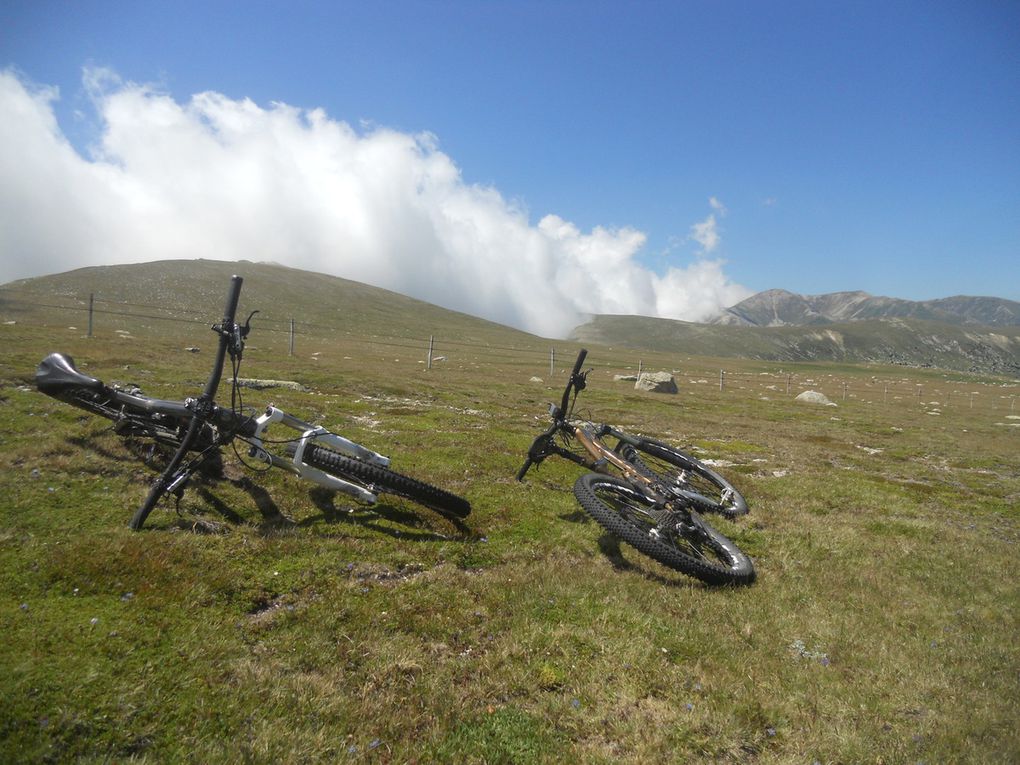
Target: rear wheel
<point>679,540</point>
<point>383,480</point>
<point>688,476</point>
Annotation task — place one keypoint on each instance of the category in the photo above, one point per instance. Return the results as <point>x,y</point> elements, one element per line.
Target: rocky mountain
<point>779,308</point>
<point>908,342</point>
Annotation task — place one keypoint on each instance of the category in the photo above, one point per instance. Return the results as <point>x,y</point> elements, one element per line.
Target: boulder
<point>814,397</point>
<point>624,378</point>
<point>656,382</point>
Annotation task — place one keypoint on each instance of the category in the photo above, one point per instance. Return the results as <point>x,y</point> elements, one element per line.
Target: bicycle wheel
<point>693,479</point>
<point>383,480</point>
<point>686,544</point>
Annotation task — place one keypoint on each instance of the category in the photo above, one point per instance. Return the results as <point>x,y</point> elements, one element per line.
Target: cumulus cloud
<point>228,179</point>
<point>706,234</point>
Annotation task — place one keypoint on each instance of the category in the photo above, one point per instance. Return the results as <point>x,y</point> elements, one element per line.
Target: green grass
<point>270,622</point>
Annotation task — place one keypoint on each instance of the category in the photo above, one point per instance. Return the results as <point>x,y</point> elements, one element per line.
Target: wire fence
<point>552,359</point>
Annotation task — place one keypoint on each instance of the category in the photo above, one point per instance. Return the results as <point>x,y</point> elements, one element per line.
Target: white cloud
<point>227,179</point>
<point>706,234</point>
<point>718,206</point>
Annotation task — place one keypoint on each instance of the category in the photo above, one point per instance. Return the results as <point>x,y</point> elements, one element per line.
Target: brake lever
<point>247,325</point>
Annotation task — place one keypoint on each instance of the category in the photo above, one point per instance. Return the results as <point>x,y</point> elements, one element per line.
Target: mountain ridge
<point>780,308</point>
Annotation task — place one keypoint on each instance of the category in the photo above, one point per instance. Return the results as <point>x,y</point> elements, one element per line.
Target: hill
<point>909,342</point>
<point>778,308</point>
<point>332,309</point>
<point>196,288</point>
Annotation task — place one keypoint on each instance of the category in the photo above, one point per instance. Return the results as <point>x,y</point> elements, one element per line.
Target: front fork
<point>311,434</point>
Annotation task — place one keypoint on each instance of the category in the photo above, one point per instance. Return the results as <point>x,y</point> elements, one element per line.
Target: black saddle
<point>57,374</point>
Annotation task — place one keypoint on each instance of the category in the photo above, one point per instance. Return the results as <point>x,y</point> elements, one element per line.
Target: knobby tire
<point>384,480</point>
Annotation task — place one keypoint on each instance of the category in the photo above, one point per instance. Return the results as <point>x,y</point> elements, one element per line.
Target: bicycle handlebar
<point>226,336</point>
<point>572,381</point>
<point>535,454</point>
<point>201,412</point>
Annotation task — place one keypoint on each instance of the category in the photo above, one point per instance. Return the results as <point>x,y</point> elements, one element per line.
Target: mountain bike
<point>645,492</point>
<point>197,429</point>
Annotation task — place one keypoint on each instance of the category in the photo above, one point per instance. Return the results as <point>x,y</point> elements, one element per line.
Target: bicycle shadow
<point>609,545</point>
<point>369,517</point>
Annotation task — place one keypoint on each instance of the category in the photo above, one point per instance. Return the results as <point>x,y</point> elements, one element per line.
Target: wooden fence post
<point>291,337</point>
<point>432,339</point>
<point>91,300</point>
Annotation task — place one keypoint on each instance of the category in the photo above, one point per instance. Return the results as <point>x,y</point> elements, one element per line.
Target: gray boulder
<point>656,382</point>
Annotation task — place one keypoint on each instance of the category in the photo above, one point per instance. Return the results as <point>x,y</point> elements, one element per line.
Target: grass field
<point>270,622</point>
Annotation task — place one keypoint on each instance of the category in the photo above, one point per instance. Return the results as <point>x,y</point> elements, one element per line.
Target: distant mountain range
<point>971,334</point>
<point>779,308</point>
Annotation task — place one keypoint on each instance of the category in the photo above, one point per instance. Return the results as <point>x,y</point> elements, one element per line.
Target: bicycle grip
<point>233,297</point>
<point>579,362</point>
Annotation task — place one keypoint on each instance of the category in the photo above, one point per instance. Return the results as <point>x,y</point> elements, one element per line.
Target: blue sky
<point>812,146</point>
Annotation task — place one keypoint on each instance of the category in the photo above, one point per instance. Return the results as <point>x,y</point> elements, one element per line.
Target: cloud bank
<point>227,179</point>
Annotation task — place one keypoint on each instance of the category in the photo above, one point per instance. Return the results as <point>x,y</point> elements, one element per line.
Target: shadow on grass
<point>610,547</point>
<point>368,517</point>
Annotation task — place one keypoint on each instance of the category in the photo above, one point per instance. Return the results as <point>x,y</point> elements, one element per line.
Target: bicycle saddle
<point>57,373</point>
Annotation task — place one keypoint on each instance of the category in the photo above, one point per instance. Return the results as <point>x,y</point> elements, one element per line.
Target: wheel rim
<point>681,533</point>
<point>686,480</point>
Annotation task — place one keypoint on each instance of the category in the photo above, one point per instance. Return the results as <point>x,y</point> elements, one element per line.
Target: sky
<point>527,162</point>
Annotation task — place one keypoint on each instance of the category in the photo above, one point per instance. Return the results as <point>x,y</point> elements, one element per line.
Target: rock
<point>814,397</point>
<point>536,379</point>
<point>624,378</point>
<point>192,349</point>
<point>656,382</point>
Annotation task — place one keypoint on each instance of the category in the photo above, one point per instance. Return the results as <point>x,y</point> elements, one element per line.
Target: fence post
<point>844,391</point>
<point>552,361</point>
<point>291,337</point>
<point>91,300</point>
<point>788,380</point>
<point>428,359</point>
<point>640,367</point>
<point>885,394</point>
<point>722,379</point>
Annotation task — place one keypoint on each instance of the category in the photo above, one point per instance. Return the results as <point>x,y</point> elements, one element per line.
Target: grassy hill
<point>264,621</point>
<point>908,342</point>
<point>195,289</point>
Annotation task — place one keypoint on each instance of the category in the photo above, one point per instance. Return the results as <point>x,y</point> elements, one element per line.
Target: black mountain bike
<point>198,428</point>
<point>647,493</point>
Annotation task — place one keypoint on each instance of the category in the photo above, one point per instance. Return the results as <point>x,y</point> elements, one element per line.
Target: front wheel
<point>680,540</point>
<point>687,476</point>
<point>383,480</point>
